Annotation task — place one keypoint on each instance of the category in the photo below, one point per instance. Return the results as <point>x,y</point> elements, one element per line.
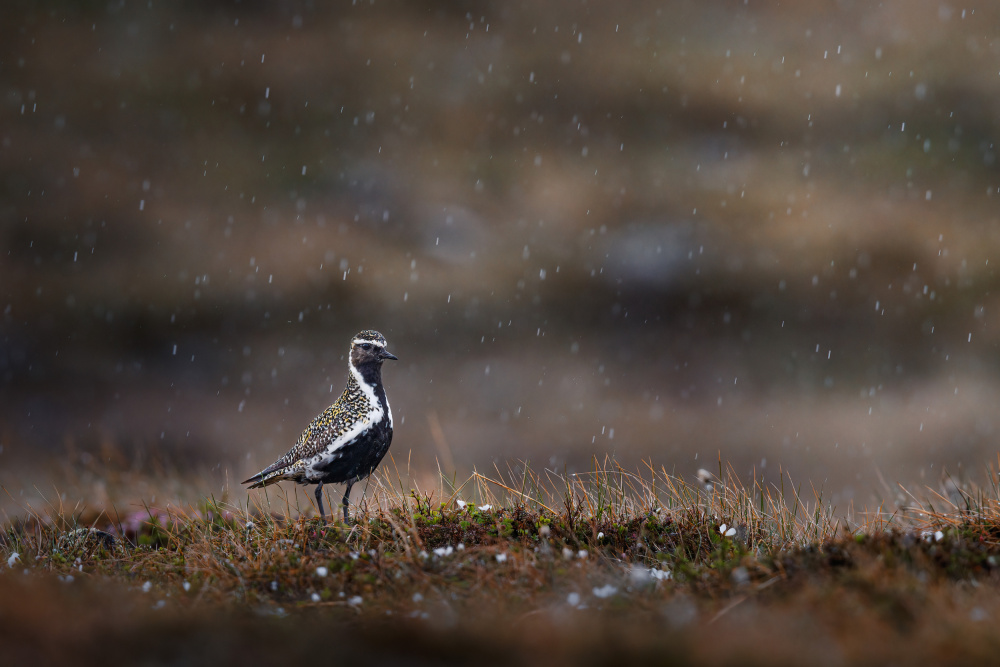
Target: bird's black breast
<point>358,458</point>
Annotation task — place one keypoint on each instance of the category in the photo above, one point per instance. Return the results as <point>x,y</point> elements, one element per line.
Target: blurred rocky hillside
<point>669,231</point>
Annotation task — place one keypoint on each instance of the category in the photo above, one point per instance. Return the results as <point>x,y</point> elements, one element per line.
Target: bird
<point>347,441</point>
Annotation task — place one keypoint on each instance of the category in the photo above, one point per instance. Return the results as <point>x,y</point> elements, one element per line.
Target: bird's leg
<point>319,501</point>
<point>347,498</point>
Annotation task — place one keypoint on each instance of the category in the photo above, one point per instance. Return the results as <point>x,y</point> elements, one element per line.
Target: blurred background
<point>674,232</point>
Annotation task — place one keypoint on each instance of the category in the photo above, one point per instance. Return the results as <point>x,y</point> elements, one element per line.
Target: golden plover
<point>345,442</point>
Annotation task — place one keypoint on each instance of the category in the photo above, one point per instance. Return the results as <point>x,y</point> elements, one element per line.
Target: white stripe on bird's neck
<point>375,411</point>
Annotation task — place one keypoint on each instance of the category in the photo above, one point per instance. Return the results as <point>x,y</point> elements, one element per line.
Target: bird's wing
<point>334,426</point>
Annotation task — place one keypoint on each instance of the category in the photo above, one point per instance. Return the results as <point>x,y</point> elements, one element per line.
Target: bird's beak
<point>388,355</point>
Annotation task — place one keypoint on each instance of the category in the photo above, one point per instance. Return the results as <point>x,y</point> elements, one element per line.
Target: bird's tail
<point>268,475</point>
<point>257,481</point>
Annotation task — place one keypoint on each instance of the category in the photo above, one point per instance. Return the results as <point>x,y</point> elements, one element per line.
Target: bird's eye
<point>366,346</point>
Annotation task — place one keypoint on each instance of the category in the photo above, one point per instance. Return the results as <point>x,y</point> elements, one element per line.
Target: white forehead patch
<point>361,341</point>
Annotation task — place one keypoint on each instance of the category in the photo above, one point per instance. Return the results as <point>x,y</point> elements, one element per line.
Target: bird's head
<point>368,347</point>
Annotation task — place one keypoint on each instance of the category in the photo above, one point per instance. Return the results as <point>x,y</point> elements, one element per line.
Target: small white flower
<point>461,504</point>
<point>14,557</point>
<point>582,553</point>
<point>573,599</point>
<point>354,555</point>
<point>322,571</point>
<point>417,597</point>
<point>355,600</point>
<point>147,586</point>
<point>441,552</point>
<point>567,553</point>
<point>600,535</point>
<point>605,591</point>
<point>938,536</point>
<point>501,558</point>
<point>727,531</point>
<point>315,597</point>
<point>424,555</point>
<point>661,575</point>
<point>485,508</point>
<point>461,546</point>
<point>722,529</point>
<point>544,531</point>
<point>274,585</point>
<point>639,575</point>
<point>186,585</point>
